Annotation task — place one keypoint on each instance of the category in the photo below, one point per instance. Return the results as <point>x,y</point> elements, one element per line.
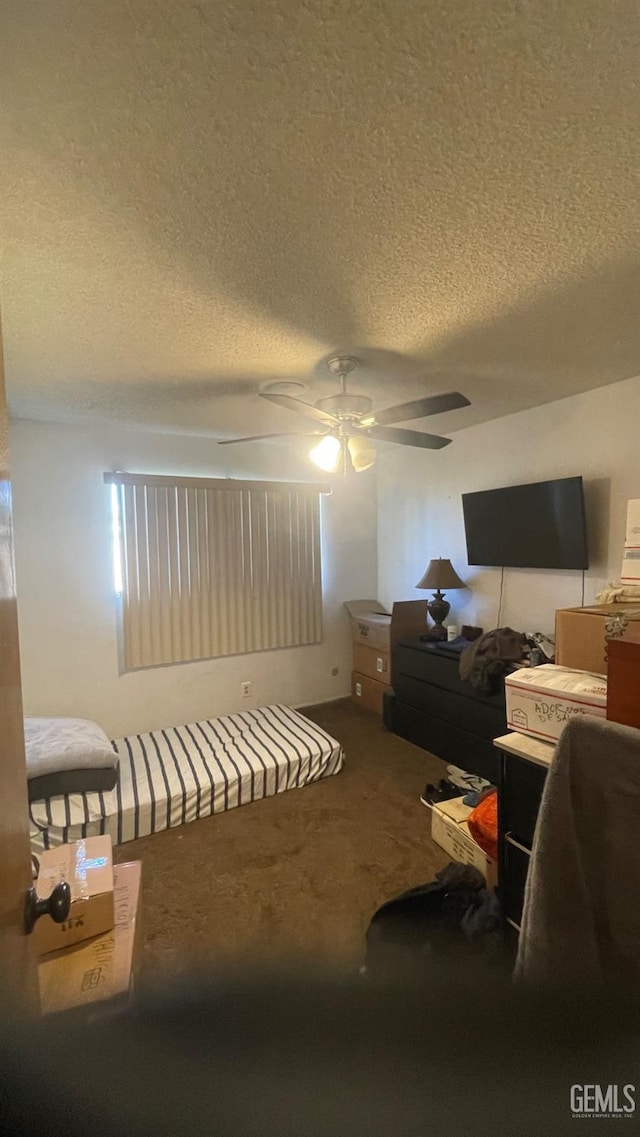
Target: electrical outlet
<point>359,690</point>
<point>246,689</point>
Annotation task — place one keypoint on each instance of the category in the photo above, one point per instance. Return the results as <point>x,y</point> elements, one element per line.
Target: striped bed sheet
<point>173,776</point>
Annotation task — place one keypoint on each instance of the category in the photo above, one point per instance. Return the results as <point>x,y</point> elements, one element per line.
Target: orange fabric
<point>483,824</point>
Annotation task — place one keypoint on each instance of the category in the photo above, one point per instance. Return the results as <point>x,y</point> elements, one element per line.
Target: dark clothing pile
<point>484,662</point>
<point>454,915</point>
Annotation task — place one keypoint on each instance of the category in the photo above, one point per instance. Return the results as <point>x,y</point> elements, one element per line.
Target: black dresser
<point>432,707</point>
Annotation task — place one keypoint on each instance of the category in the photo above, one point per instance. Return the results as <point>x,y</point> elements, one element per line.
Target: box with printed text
<point>100,969</point>
<point>541,700</point>
<point>374,627</point>
<point>87,866</point>
<point>449,830</point>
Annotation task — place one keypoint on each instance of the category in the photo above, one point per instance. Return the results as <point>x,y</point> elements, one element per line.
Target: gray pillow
<point>67,756</point>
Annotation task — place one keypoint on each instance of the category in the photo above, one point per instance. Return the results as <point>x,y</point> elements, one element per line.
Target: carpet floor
<point>295,875</point>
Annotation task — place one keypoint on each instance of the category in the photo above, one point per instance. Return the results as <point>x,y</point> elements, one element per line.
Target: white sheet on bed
<point>169,777</point>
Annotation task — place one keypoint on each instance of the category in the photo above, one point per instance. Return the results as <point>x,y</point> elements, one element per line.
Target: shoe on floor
<point>444,791</point>
<point>466,781</point>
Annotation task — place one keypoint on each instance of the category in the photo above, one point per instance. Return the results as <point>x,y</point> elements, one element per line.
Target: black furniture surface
<point>520,785</point>
<point>432,707</point>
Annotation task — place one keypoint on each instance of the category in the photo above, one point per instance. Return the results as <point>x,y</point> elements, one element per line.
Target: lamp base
<point>437,634</point>
<point>438,609</point>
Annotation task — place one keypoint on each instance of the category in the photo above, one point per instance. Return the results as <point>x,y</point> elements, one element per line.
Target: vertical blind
<point>216,567</point>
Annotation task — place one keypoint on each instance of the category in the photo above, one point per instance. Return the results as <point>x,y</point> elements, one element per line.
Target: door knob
<point>57,905</point>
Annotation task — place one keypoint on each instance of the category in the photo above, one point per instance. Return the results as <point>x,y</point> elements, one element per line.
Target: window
<point>213,567</point>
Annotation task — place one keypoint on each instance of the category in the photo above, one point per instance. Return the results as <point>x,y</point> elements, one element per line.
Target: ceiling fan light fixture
<point>293,387</point>
<point>350,423</point>
<point>363,454</point>
<point>326,455</point>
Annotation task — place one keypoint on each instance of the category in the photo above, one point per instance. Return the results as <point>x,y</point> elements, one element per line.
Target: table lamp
<point>440,575</point>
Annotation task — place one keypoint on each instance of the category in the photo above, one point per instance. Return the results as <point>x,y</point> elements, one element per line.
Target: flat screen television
<point>539,525</point>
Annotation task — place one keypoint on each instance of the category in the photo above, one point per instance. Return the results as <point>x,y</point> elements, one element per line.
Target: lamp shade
<point>326,455</point>
<point>363,454</point>
<point>440,574</point>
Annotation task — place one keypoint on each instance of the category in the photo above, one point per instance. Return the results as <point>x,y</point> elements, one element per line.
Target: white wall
<point>595,434</point>
<point>65,580</point>
<point>64,561</point>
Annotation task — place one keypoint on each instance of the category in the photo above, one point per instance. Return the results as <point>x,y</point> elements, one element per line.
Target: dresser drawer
<point>477,755</point>
<point>474,717</point>
<point>432,665</point>
<point>514,877</point>
<point>521,791</point>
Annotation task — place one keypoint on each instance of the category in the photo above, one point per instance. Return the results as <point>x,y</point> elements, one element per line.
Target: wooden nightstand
<point>623,678</point>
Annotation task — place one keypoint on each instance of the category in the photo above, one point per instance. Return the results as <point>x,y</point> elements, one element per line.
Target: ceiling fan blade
<point>301,408</point>
<point>419,408</point>
<point>408,437</point>
<point>261,437</point>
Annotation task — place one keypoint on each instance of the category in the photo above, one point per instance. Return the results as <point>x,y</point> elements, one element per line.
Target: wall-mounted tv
<point>539,525</point>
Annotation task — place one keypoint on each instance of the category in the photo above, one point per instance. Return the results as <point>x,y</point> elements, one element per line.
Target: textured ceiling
<point>200,197</point>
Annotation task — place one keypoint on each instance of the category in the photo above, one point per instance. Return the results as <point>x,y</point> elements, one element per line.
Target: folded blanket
<point>67,756</point>
<point>619,594</point>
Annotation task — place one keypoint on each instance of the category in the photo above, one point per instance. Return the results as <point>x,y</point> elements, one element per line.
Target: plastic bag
<point>483,824</point>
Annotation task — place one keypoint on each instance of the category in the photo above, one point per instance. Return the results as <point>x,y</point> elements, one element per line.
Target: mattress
<point>173,776</point>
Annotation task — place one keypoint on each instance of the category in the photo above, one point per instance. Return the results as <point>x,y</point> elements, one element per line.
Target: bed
<point>174,776</point>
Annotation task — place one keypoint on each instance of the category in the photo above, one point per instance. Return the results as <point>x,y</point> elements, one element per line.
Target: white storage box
<point>450,831</point>
<point>631,556</point>
<point>541,700</point>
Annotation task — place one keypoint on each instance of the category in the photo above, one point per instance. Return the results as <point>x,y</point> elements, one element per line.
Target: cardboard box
<point>632,535</point>
<point>368,692</point>
<point>449,830</point>
<point>370,623</point>
<point>631,557</point>
<point>541,700</point>
<point>372,626</point>
<point>372,661</point>
<point>101,968</point>
<point>581,634</point>
<point>87,866</point>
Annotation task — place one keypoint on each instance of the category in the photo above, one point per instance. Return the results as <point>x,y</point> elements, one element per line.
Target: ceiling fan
<point>350,422</point>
